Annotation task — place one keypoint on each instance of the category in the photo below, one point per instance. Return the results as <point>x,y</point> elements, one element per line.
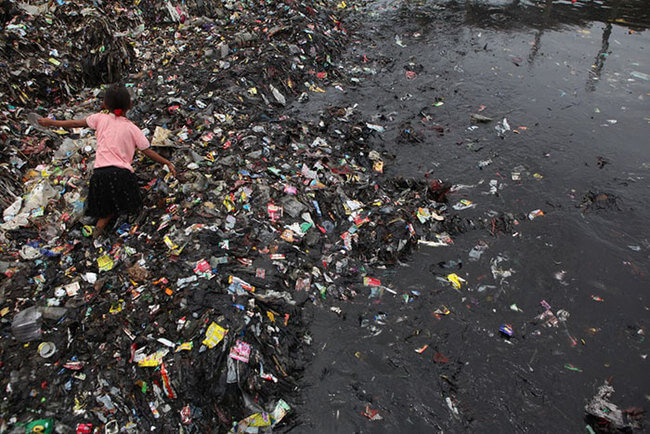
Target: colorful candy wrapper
<point>455,280</point>
<point>186,415</point>
<point>152,360</point>
<point>167,387</point>
<point>507,330</point>
<point>185,346</point>
<point>154,410</point>
<point>84,428</point>
<point>214,335</point>
<point>371,281</point>
<point>256,420</point>
<point>105,263</point>
<point>203,269</point>
<point>240,351</point>
<point>239,286</point>
<point>275,212</point>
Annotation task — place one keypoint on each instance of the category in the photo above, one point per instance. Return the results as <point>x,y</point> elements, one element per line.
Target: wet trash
<point>562,315</point>
<point>547,319</point>
<point>480,118</point>
<point>497,270</point>
<point>455,280</point>
<point>484,288</point>
<point>371,413</point>
<point>442,310</point>
<point>535,213</point>
<point>452,406</point>
<point>463,204</point>
<point>593,201</point>
<point>254,422</point>
<point>559,276</point>
<point>477,251</point>
<point>377,128</point>
<point>506,330</point>
<point>502,127</point>
<point>484,163</point>
<point>515,308</point>
<point>605,416</point>
<point>570,367</point>
<point>421,349</point>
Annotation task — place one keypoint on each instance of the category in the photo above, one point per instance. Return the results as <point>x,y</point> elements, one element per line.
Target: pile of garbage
<point>242,55</point>
<point>49,51</point>
<point>190,313</point>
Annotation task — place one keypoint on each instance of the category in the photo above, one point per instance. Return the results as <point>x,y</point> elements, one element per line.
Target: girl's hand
<point>171,168</point>
<point>45,122</point>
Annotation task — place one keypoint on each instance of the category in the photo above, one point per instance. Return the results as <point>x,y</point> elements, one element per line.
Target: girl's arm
<point>159,159</point>
<point>72,123</point>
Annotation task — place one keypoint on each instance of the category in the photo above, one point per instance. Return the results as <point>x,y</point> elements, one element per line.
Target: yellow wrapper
<point>455,280</point>
<point>105,263</point>
<point>214,335</point>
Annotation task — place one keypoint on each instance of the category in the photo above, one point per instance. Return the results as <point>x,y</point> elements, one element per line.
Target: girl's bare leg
<point>102,222</point>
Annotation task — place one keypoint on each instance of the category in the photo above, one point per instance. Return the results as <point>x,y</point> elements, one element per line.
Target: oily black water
<point>571,82</point>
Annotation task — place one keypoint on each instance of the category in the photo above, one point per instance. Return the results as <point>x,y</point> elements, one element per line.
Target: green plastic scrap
<point>570,367</point>
<point>43,426</point>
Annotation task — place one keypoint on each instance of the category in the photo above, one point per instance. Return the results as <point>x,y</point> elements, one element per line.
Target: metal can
<point>46,349</point>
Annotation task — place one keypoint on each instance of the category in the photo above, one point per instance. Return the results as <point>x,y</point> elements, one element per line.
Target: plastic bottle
<point>26,325</point>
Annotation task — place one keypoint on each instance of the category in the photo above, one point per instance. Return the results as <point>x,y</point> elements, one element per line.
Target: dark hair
<point>117,97</point>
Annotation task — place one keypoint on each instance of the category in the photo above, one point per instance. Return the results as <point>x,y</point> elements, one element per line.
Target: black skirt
<point>113,191</point>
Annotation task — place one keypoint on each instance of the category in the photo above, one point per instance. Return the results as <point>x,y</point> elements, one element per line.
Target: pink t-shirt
<point>117,138</point>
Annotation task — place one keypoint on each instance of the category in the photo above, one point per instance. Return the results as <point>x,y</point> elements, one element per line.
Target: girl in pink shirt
<point>113,186</point>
